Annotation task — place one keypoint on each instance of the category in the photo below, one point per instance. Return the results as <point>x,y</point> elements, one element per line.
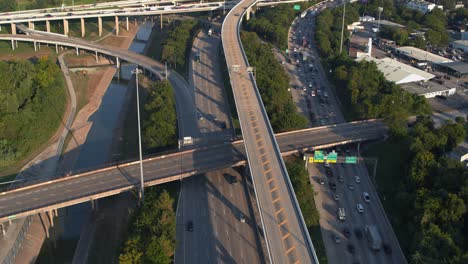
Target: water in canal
<point>94,152</point>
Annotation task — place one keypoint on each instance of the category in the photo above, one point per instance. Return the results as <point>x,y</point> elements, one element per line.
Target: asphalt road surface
<point>327,111</point>
<point>214,202</point>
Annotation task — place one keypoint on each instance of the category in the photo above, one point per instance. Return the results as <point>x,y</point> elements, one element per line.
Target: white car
<point>366,197</point>
<point>360,208</point>
<point>357,179</point>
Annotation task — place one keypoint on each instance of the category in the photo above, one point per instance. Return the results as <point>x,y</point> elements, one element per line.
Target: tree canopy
<point>32,103</point>
<point>152,231</point>
<point>273,83</point>
<point>159,117</point>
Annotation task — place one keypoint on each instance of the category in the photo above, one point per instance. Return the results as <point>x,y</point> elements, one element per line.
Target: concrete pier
<point>83,29</point>
<point>100,26</point>
<point>116,25</point>
<point>31,25</point>
<point>47,23</point>
<point>13,28</point>
<point>65,27</point>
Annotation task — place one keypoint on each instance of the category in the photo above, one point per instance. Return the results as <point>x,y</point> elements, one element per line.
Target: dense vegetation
<point>272,24</point>
<point>428,193</point>
<point>272,82</point>
<point>159,126</point>
<point>178,43</point>
<point>7,5</point>
<point>435,22</point>
<point>152,231</point>
<point>361,87</point>
<point>32,102</point>
<point>305,196</point>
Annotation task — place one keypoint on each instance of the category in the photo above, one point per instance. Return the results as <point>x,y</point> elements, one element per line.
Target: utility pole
<point>342,26</point>
<point>142,181</point>
<point>380,11</point>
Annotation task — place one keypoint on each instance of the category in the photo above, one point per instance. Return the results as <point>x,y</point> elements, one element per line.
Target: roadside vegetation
<point>178,43</point>
<point>273,83</point>
<point>305,195</point>
<point>31,109</point>
<point>427,192</point>
<point>272,23</point>
<point>152,230</point>
<point>159,127</point>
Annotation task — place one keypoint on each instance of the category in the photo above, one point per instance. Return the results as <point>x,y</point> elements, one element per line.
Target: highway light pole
<point>142,185</point>
<point>342,26</point>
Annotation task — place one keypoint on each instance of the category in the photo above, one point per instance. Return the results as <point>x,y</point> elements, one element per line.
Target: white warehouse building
<point>422,6</point>
<point>397,72</point>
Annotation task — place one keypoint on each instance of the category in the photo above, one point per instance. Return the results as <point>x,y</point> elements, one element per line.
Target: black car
<point>358,233</point>
<point>223,125</point>
<point>190,226</point>
<point>329,172</point>
<point>387,249</point>
<point>351,248</point>
<point>332,186</point>
<point>233,179</point>
<point>346,232</point>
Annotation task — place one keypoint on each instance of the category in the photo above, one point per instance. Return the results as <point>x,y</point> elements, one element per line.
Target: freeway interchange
<point>286,236</point>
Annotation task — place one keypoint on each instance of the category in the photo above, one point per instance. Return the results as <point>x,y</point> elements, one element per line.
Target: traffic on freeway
<point>353,222</point>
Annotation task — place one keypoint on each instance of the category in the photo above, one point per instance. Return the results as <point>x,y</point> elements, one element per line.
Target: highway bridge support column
<point>31,25</point>
<point>97,56</point>
<point>50,214</point>
<point>65,27</point>
<point>3,229</point>
<point>35,47</point>
<point>94,205</point>
<point>117,62</point>
<point>77,51</point>
<point>128,28</point>
<point>13,44</point>
<point>116,25</point>
<point>83,29</point>
<point>56,48</point>
<point>100,26</point>
<point>47,23</point>
<point>13,28</point>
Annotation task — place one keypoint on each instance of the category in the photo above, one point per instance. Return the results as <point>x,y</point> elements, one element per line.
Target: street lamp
<point>342,26</point>
<point>142,185</point>
<point>380,9</point>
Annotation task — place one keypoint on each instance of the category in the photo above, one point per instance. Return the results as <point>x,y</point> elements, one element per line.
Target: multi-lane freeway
<point>110,181</point>
<point>286,235</point>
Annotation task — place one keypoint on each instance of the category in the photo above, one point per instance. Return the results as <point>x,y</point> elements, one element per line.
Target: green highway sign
<point>332,157</point>
<point>318,156</point>
<point>350,160</point>
<point>297,7</point>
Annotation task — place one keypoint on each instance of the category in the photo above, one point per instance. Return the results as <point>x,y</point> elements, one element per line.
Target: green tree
<point>8,5</point>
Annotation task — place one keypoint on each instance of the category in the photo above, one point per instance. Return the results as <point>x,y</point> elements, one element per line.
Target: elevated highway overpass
<point>117,10</point>
<point>50,195</point>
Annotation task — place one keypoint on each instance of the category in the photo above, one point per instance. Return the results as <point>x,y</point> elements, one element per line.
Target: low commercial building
<point>359,46</point>
<point>457,68</point>
<point>422,6</point>
<point>460,44</point>
<point>419,55</point>
<point>429,89</point>
<point>397,72</point>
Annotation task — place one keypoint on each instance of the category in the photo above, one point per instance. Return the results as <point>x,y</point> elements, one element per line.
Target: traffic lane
<point>327,209</point>
<point>386,231</point>
<point>228,205</point>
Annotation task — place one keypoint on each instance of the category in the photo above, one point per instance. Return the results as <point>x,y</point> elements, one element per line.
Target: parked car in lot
<point>341,178</point>
<point>351,186</point>
<point>336,197</point>
<point>336,238</point>
<point>332,186</point>
<point>321,181</point>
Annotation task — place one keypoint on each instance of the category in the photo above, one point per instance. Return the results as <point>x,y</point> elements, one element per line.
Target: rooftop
<point>422,55</point>
<point>462,42</point>
<point>457,66</point>
<point>398,72</point>
<point>424,88</point>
